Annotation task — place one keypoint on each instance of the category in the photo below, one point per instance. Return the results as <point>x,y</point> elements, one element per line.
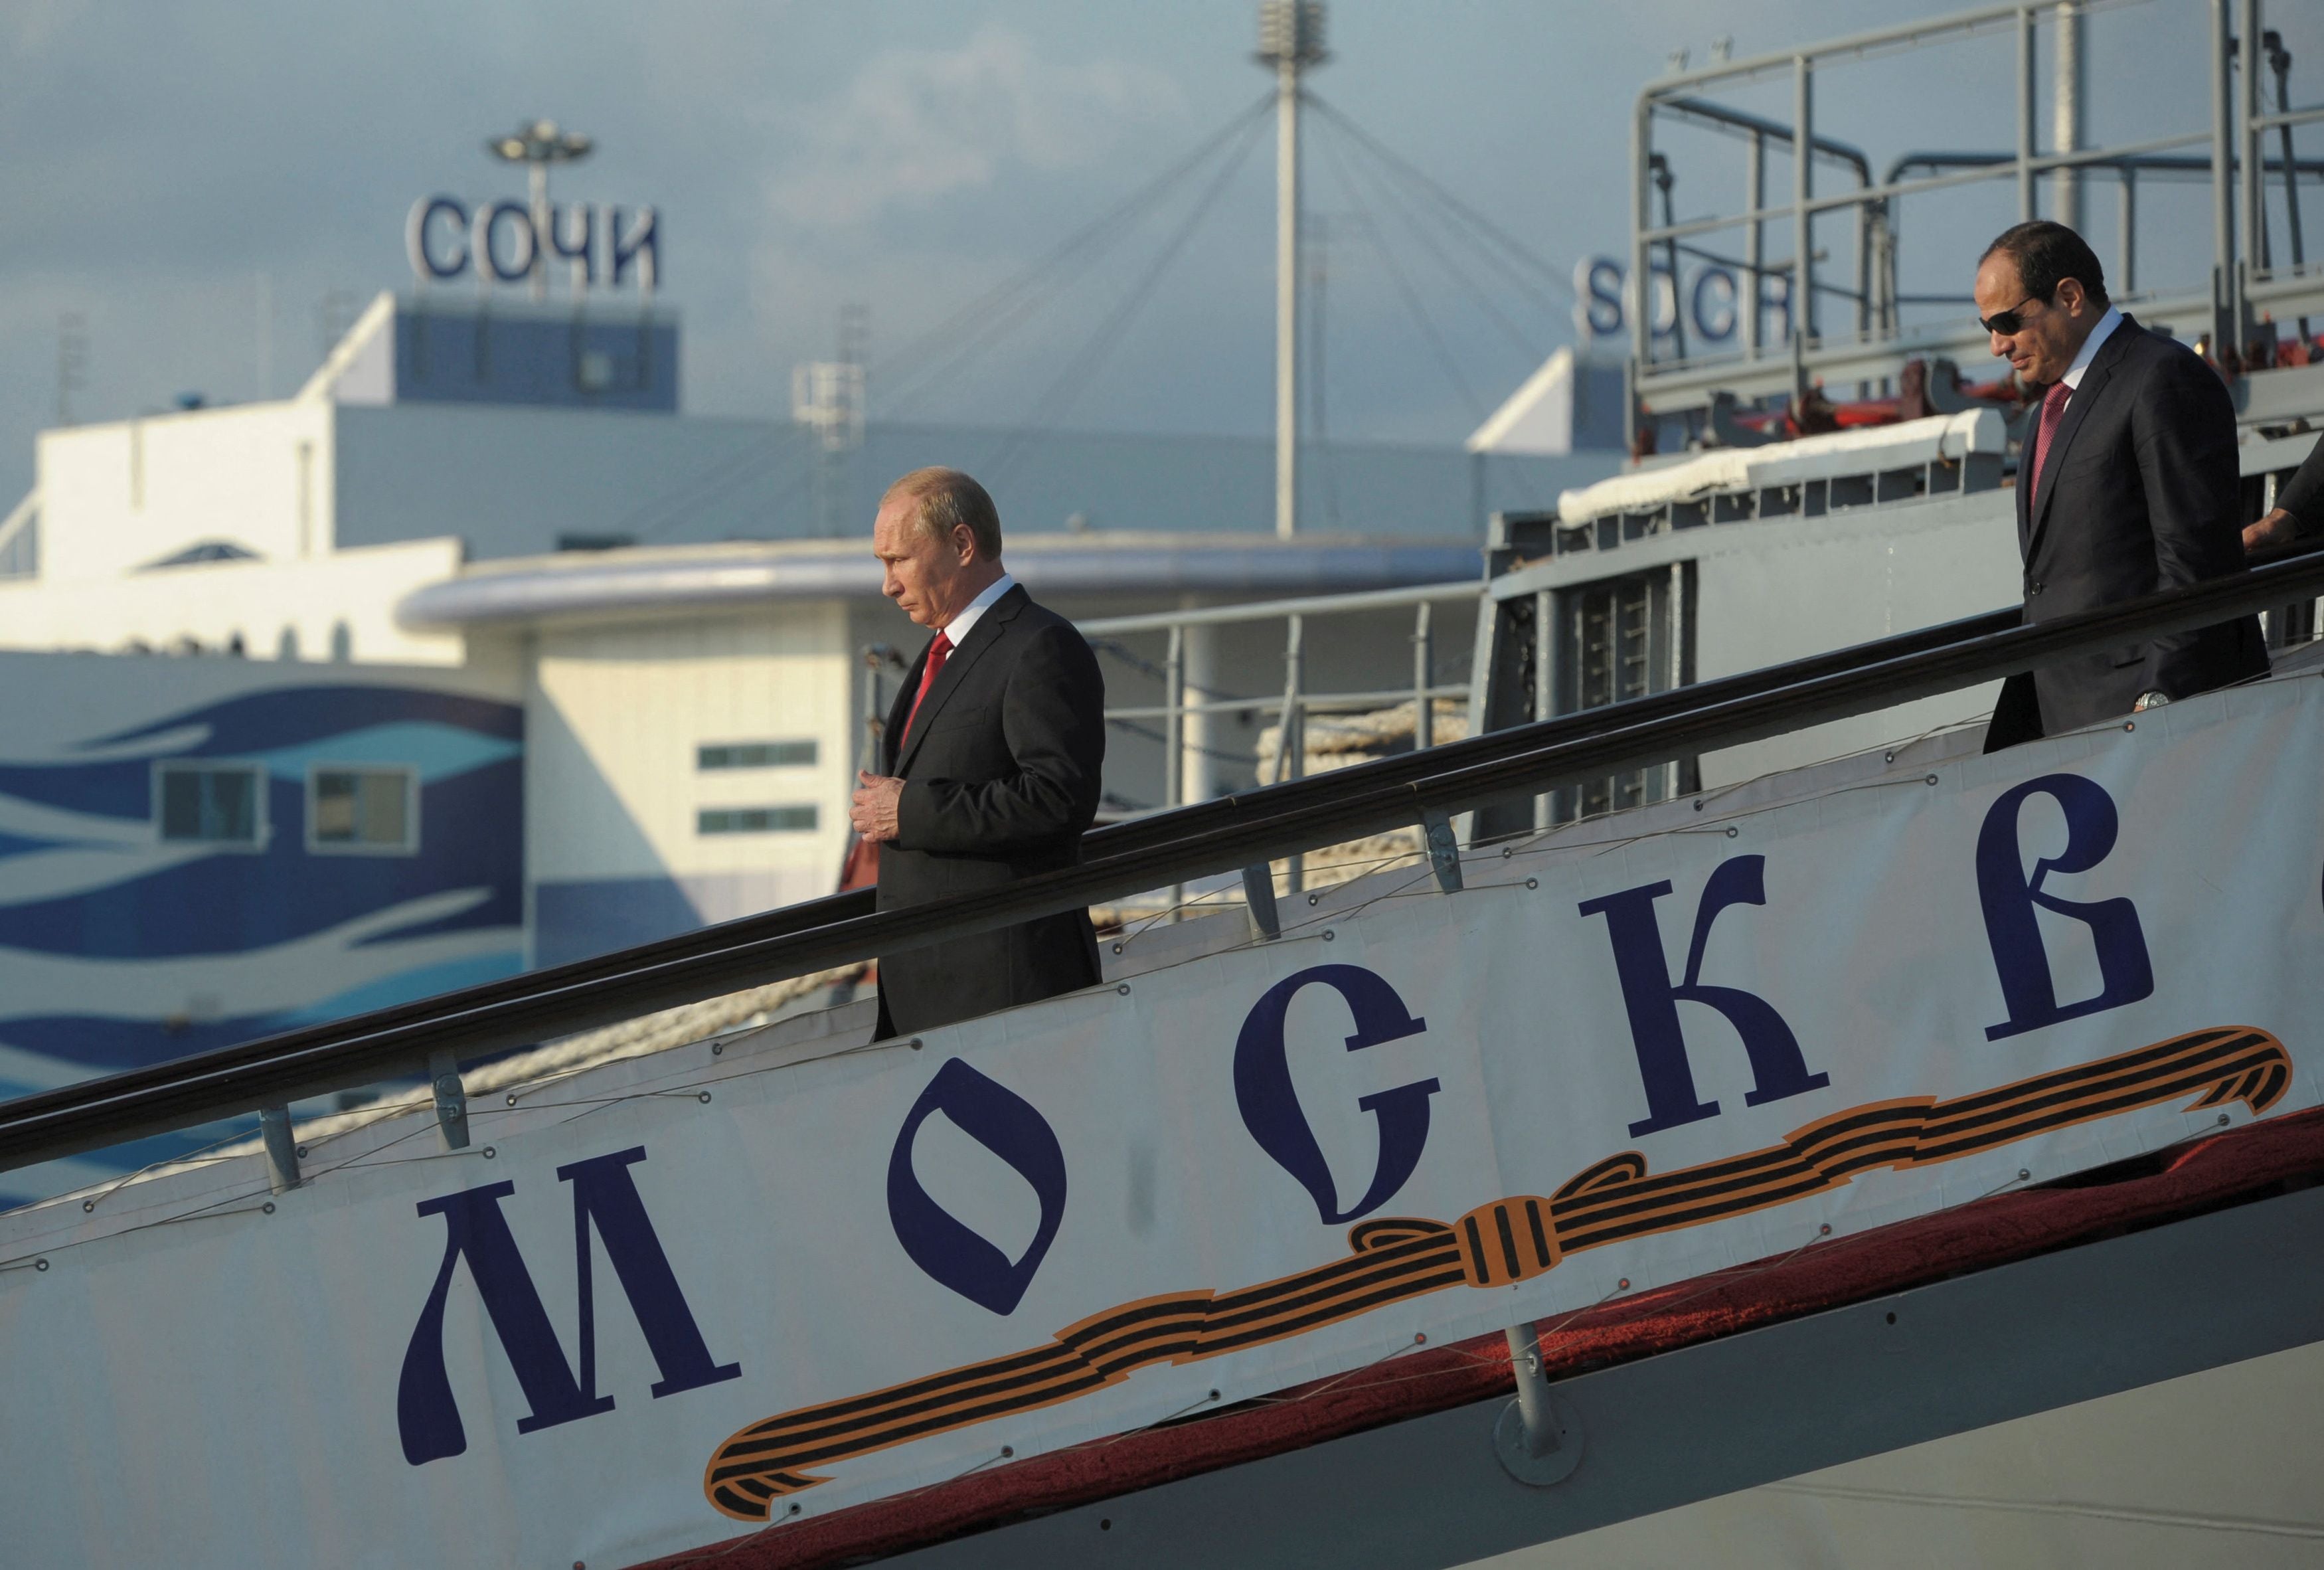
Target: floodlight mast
<point>1291,39</point>
<point>537,144</point>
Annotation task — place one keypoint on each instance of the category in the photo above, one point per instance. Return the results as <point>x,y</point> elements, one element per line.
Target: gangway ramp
<point>804,1299</point>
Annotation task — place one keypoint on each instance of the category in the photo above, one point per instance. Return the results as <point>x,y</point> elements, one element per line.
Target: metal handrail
<point>1275,610</point>
<point>1212,838</point>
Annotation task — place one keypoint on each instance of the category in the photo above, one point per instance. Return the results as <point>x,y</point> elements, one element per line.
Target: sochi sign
<point>508,241</point>
<point>1606,302</point>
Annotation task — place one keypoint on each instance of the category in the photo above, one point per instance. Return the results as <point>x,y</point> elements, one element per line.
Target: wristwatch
<point>2147,700</point>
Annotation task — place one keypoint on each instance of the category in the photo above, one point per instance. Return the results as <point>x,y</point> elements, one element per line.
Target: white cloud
<point>917,124</point>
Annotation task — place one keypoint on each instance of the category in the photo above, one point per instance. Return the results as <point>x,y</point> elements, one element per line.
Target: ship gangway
<point>1471,1204</point>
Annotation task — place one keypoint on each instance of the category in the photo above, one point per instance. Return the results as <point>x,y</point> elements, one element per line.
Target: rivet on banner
<point>489,1153</point>
<point>39,1264</point>
<point>2024,1174</point>
<point>1327,935</point>
<point>1732,831</point>
<point>512,1098</point>
<point>1123,989</point>
<point>1117,948</point>
<point>87,1204</point>
<point>704,1098</point>
<point>1623,1285</point>
<point>1008,1450</point>
<point>1533,883</point>
<point>1930,780</point>
<point>717,1049</point>
<point>915,1043</point>
<point>1314,899</point>
<point>1824,1231</point>
<point>1420,1338</point>
<point>267,1208</point>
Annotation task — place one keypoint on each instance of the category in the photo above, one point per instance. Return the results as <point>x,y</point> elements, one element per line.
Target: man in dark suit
<point>990,756</point>
<point>2126,484</point>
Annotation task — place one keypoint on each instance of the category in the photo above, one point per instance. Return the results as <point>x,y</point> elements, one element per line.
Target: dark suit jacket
<point>2140,494</point>
<point>1001,780</point>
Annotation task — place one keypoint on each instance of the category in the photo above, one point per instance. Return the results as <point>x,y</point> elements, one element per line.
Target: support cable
<point>1411,296</point>
<point>1443,197</point>
<point>1102,342</point>
<point>959,338</point>
<point>1416,225</point>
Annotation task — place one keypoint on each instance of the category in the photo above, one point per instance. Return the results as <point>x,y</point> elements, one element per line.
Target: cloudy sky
<point>206,185</point>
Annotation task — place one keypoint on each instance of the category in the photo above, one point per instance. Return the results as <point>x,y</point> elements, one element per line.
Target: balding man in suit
<point>2127,485</point>
<point>990,760</point>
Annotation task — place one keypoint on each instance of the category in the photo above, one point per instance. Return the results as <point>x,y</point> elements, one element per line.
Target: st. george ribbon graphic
<point>1494,1245</point>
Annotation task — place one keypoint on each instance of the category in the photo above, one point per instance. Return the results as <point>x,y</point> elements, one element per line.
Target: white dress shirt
<point>957,630</point>
<point>2098,335</point>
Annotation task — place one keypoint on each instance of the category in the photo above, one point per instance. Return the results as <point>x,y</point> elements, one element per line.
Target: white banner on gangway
<point>626,1324</point>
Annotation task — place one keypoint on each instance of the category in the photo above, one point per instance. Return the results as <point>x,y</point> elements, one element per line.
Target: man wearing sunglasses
<point>2127,484</point>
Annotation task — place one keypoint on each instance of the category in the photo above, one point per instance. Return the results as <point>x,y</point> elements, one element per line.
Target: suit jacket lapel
<point>980,637</point>
<point>891,735</point>
<point>2078,409</point>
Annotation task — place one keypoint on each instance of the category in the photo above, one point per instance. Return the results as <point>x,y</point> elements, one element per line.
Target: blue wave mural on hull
<point>243,727</point>
<point>104,938</point>
<point>240,898</point>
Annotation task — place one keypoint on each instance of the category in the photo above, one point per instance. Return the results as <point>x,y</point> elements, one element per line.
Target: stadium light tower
<point>1291,39</point>
<point>537,144</point>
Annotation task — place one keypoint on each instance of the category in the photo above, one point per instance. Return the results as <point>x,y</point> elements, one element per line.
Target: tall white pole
<point>1286,294</point>
<point>1291,39</point>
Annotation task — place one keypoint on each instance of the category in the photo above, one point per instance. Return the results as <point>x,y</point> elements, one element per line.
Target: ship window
<point>210,803</point>
<point>364,811</point>
<point>756,755</point>
<point>792,820</point>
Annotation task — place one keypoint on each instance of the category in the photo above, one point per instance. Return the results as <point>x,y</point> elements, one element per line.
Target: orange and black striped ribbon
<point>1392,1260</point>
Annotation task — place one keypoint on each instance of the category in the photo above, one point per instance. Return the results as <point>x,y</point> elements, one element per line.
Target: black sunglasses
<point>2008,322</point>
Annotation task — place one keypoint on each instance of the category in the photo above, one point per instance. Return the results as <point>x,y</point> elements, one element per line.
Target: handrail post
<point>1174,739</point>
<point>1259,901</point>
<point>1754,246</point>
<point>1803,311</point>
<point>1444,848</point>
<point>281,1149</point>
<point>1423,678</point>
<point>2227,324</point>
<point>2025,112</point>
<point>1538,1438</point>
<point>1544,683</point>
<point>451,1099</point>
<point>1292,758</point>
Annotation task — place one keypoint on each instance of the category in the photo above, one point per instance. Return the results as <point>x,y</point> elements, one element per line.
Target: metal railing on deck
<point>1225,835</point>
<point>2246,279</point>
<point>1300,697</point>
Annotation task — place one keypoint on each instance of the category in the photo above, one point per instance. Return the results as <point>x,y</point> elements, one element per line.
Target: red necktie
<point>939,650</point>
<point>2053,408</point>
